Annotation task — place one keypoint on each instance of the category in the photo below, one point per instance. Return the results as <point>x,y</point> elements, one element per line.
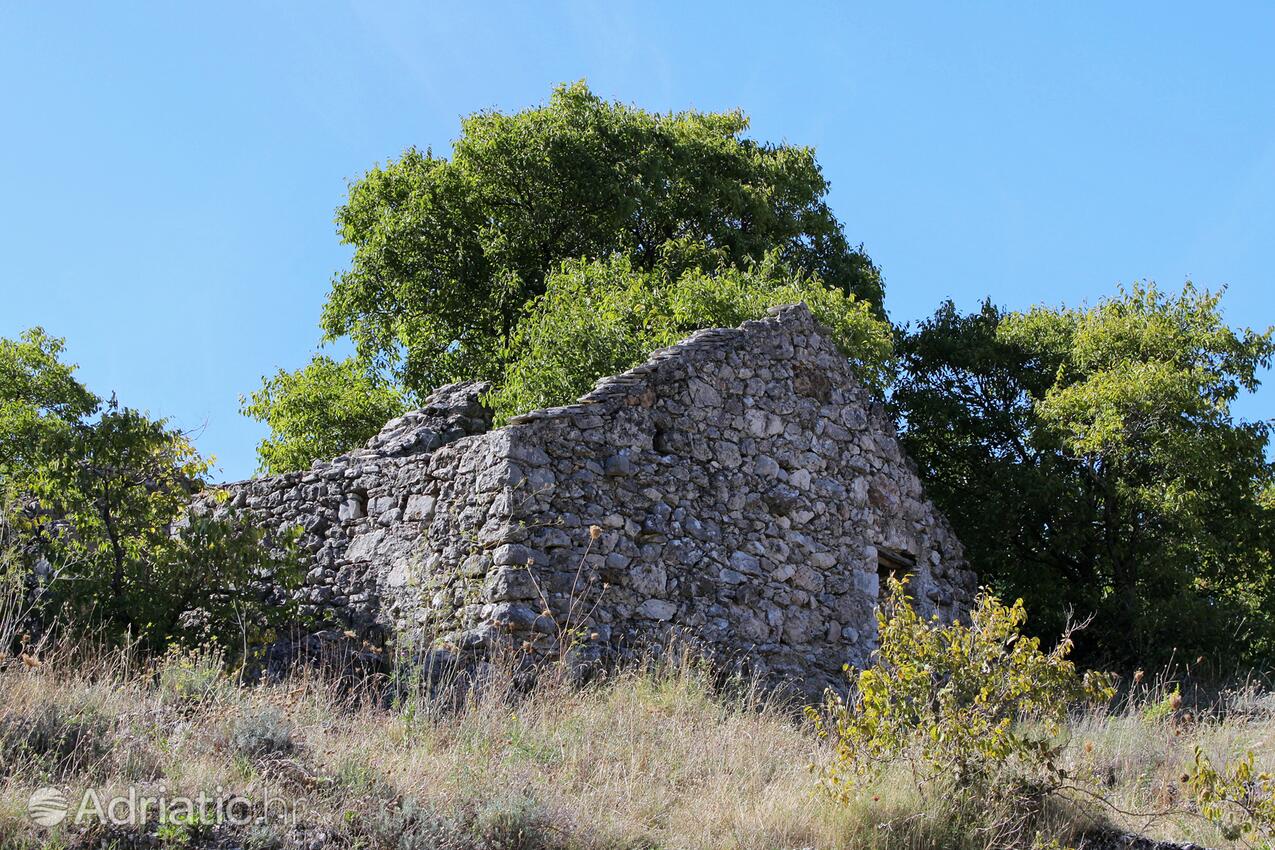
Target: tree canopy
<point>320,411</point>
<point>1089,460</point>
<point>447,252</point>
<point>40,399</point>
<point>600,318</point>
<point>450,252</point>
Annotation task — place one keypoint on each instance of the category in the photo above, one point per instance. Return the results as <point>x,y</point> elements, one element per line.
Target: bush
<point>320,411</point>
<point>191,676</point>
<point>1238,798</point>
<point>224,583</point>
<point>974,710</point>
<point>1094,459</point>
<point>261,734</point>
<point>100,489</point>
<point>217,582</point>
<point>514,822</point>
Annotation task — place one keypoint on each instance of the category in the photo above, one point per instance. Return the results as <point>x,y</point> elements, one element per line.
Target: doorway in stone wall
<point>892,563</point>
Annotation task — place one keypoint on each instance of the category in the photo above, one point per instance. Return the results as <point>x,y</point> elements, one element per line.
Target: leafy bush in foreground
<point>973,710</point>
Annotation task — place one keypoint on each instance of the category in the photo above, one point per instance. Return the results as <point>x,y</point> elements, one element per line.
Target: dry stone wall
<point>740,488</point>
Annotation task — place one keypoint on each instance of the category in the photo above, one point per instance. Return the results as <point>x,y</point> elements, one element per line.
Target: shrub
<point>319,411</point>
<point>100,489</point>
<point>1094,459</point>
<point>263,836</point>
<point>1238,798</point>
<point>191,676</point>
<point>514,822</point>
<point>262,733</point>
<point>217,582</point>
<point>220,582</point>
<point>1163,708</point>
<point>973,709</point>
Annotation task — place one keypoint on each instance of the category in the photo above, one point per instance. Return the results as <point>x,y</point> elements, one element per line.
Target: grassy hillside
<point>657,757</point>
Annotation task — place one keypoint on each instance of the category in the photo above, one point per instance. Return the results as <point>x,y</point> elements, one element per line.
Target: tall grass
<point>660,755</point>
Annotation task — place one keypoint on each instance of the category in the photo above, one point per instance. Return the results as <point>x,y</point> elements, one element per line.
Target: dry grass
<point>649,758</point>
<point>1138,751</point>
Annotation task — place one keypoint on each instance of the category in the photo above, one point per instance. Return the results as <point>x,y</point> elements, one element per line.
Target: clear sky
<point>171,169</point>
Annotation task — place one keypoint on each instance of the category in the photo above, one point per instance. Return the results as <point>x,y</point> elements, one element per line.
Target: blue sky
<point>171,169</point>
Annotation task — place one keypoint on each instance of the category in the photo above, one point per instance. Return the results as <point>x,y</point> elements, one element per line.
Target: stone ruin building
<point>740,488</point>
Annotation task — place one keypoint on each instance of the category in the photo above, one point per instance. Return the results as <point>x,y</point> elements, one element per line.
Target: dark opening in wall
<point>892,563</point>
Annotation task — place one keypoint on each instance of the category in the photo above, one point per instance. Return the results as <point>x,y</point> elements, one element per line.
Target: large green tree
<point>448,251</point>
<point>1090,461</point>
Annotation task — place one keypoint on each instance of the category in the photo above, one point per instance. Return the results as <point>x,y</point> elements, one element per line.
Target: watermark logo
<point>47,806</point>
<point>50,806</point>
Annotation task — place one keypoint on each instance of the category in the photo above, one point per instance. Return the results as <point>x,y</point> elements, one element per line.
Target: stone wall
<point>740,487</point>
